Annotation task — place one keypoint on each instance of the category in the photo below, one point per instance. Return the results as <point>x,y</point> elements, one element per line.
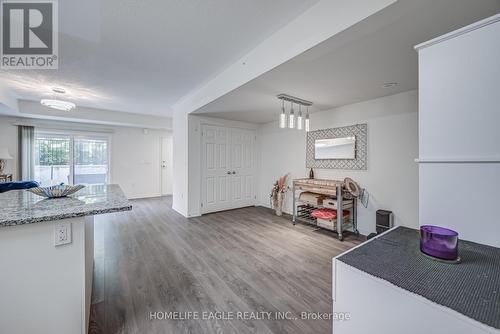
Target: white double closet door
<point>228,168</point>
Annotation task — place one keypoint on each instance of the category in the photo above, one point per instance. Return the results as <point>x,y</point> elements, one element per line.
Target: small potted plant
<point>278,194</point>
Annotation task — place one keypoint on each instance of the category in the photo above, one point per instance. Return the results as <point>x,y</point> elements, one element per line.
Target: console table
<point>332,188</point>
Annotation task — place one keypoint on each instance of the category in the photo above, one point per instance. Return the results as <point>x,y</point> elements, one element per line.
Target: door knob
<point>228,172</point>
<point>234,172</point>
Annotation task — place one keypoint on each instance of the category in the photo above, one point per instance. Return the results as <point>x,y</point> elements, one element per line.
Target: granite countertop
<point>18,207</point>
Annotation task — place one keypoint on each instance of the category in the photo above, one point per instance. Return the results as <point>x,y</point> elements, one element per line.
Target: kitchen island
<point>388,286</point>
<point>46,258</point>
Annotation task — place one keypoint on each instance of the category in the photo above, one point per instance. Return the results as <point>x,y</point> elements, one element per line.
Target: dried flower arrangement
<point>278,192</point>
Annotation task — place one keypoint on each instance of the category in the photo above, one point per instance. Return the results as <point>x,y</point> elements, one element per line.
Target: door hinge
<point>201,204</point>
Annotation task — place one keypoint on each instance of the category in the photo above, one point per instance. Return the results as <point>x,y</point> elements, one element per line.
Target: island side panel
<point>89,267</point>
<point>376,306</point>
<point>42,287</point>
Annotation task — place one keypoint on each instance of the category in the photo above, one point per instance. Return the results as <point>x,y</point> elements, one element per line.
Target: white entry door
<point>228,168</point>
<point>166,165</point>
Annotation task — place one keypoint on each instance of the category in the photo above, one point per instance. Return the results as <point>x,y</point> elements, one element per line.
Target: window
<point>72,159</point>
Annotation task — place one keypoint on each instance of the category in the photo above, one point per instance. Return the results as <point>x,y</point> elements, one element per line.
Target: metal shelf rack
<point>302,210</point>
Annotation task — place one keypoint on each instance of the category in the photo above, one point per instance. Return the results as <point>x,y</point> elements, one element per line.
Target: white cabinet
<point>459,180</point>
<point>228,168</point>
<point>459,136</point>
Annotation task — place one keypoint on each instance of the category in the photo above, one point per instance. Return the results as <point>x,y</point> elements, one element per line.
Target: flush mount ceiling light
<point>294,122</point>
<point>58,104</point>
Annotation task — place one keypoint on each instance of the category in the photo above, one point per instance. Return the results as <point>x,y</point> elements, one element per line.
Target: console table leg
<point>340,212</point>
<point>355,216</point>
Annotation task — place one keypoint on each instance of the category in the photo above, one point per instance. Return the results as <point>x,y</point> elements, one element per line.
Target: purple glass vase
<point>439,242</point>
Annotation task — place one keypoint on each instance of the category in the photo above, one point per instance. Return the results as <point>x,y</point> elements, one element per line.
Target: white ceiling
<point>142,56</point>
<point>353,66</point>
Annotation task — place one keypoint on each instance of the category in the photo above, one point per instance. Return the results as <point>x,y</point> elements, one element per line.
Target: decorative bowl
<point>61,190</point>
<point>439,242</point>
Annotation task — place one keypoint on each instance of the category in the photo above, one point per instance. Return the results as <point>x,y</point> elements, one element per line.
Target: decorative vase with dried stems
<point>278,194</point>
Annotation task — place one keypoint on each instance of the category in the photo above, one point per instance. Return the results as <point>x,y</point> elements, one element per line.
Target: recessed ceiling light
<point>389,84</point>
<point>58,104</point>
<point>59,90</point>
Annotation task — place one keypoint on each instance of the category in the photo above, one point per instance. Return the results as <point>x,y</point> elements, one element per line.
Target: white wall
<point>180,163</point>
<point>8,138</point>
<point>135,156</point>
<point>392,175</point>
<point>458,130</point>
<point>136,161</point>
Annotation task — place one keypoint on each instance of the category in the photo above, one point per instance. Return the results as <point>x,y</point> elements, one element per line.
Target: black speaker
<point>384,221</point>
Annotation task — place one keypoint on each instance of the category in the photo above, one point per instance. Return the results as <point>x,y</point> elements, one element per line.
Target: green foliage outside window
<point>51,151</point>
<point>56,151</point>
<point>91,152</point>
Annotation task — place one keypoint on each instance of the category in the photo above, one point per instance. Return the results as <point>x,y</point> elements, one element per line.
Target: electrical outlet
<point>62,234</point>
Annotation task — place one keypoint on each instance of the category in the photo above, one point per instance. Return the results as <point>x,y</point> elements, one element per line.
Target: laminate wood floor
<point>154,260</point>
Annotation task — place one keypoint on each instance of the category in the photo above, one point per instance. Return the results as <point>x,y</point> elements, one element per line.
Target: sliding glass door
<point>71,159</point>
<point>52,159</point>
<point>91,160</point>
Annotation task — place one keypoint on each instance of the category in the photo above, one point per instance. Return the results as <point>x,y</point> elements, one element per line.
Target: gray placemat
<point>471,287</point>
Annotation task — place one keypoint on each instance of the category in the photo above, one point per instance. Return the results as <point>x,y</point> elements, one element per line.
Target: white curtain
<point>26,152</point>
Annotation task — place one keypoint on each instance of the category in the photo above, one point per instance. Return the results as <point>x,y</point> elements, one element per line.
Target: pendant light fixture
<point>293,121</point>
<point>283,115</point>
<point>299,118</point>
<point>306,123</point>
